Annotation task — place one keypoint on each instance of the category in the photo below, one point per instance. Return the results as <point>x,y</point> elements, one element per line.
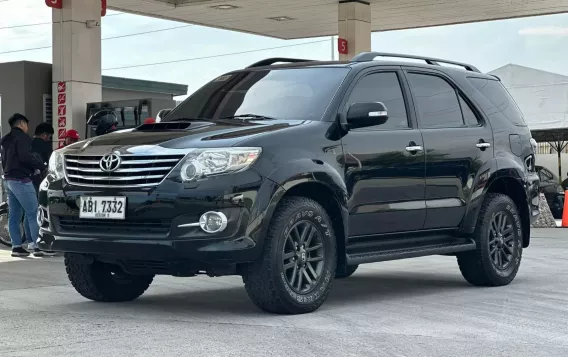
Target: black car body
<point>328,165</point>
<point>552,189</point>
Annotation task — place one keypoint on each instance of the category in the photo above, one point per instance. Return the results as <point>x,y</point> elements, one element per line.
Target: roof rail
<point>270,61</point>
<point>369,56</point>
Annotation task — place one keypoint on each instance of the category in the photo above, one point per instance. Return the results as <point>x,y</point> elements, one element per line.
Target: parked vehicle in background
<point>553,191</point>
<point>291,175</point>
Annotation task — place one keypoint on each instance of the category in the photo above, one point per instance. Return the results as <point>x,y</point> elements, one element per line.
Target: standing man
<point>19,164</point>
<point>41,145</point>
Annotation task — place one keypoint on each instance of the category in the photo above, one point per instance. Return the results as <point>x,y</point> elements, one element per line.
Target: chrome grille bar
<point>129,162</point>
<point>115,178</point>
<point>119,171</point>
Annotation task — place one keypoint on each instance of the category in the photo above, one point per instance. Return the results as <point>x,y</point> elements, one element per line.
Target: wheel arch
<point>513,188</point>
<point>317,181</point>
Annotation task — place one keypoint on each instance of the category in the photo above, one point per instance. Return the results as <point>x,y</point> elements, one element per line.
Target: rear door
<point>458,144</point>
<point>384,164</point>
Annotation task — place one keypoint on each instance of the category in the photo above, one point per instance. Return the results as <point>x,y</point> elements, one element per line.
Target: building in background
<point>25,87</point>
<point>543,98</point>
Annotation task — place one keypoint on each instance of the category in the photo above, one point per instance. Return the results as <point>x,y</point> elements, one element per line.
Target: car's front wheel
<point>297,268</point>
<point>104,282</point>
<point>499,238</point>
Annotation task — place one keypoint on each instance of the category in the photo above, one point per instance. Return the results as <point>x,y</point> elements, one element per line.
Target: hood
<point>190,134</point>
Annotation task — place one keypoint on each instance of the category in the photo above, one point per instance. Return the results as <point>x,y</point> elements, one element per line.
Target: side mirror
<point>361,115</point>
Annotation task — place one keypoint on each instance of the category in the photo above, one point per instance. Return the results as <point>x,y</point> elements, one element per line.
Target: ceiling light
<point>281,18</point>
<point>224,7</point>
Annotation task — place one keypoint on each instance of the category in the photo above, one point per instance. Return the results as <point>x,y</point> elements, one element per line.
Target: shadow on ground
<point>361,288</point>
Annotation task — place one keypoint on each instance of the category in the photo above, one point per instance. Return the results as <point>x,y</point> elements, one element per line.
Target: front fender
<point>306,171</point>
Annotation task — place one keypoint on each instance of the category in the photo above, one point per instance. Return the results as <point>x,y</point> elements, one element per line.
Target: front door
<point>458,144</point>
<point>384,164</point>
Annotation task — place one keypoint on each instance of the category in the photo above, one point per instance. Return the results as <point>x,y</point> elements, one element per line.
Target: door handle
<point>414,148</point>
<point>483,145</point>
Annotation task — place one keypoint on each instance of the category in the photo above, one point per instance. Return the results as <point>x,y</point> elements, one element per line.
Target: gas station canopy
<point>293,19</point>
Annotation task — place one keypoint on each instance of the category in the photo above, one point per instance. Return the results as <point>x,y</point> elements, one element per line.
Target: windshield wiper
<point>251,116</point>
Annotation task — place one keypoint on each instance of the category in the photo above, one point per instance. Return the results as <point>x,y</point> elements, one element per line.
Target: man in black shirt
<point>19,164</point>
<point>41,144</point>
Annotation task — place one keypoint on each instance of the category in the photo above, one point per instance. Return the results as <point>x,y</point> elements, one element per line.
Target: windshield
<point>299,93</point>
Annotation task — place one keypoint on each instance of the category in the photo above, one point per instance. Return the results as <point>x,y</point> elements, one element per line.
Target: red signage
<point>103,7</point>
<point>342,46</point>
<point>56,4</point>
<point>61,144</point>
<point>61,133</point>
<point>61,97</point>
<point>62,122</point>
<point>61,110</point>
<point>61,86</point>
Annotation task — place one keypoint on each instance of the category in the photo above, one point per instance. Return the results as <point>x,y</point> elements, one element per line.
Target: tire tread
<point>474,265</point>
<point>83,280</point>
<point>258,276</point>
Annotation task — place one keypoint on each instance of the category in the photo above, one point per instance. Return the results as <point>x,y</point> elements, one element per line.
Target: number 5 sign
<point>342,46</point>
<point>56,4</point>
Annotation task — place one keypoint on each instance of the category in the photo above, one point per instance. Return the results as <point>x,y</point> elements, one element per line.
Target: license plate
<point>103,207</point>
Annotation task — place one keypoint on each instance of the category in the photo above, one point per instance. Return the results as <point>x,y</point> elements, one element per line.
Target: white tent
<point>542,96</point>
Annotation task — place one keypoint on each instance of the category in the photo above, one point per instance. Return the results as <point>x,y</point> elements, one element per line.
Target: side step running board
<point>437,249</point>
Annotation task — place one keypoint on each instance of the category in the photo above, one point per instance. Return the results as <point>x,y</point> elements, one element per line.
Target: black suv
<point>293,174</point>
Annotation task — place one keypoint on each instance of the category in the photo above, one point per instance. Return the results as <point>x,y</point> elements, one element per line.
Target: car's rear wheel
<point>499,238</point>
<point>349,270</point>
<point>104,282</point>
<point>295,273</point>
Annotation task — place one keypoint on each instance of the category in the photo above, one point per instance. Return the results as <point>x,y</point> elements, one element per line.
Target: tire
<point>4,233</point>
<point>349,270</point>
<point>98,282</point>
<point>485,266</point>
<point>277,289</point>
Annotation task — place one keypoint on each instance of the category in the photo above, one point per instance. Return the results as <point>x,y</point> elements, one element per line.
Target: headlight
<point>203,163</point>
<point>55,167</point>
<point>559,189</point>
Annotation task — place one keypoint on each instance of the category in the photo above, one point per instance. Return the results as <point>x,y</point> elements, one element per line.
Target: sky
<point>539,42</point>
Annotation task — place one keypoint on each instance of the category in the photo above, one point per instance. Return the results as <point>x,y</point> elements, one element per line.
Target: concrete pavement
<point>420,307</point>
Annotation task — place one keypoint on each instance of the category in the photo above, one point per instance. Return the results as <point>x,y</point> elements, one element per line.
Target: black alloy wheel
<point>501,241</point>
<point>295,273</point>
<point>499,244</point>
<point>302,258</point>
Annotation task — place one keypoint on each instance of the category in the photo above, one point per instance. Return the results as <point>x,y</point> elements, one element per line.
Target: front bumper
<point>170,257</point>
<point>152,238</point>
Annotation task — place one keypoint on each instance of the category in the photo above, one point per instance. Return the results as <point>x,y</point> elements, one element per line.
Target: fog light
<point>213,222</point>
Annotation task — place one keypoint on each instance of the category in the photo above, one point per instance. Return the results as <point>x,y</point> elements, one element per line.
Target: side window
<point>382,87</point>
<point>468,115</point>
<point>494,91</point>
<point>436,101</point>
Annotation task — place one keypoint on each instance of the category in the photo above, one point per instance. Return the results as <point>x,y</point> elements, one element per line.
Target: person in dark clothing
<point>19,164</point>
<point>41,144</point>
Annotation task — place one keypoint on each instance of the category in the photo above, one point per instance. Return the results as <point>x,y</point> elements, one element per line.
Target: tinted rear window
<point>494,91</point>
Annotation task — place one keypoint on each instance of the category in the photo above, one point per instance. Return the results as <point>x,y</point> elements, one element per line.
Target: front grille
<point>134,170</point>
<point>140,227</point>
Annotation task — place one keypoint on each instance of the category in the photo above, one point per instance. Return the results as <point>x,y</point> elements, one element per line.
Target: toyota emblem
<point>110,162</point>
